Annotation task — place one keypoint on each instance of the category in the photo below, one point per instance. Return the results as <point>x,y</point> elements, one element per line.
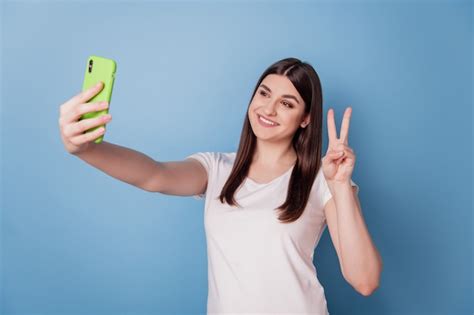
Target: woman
<point>266,204</point>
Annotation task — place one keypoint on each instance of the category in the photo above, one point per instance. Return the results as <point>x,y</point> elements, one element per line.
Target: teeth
<point>266,121</point>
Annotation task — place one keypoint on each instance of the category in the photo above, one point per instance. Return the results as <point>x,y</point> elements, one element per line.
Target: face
<point>277,100</point>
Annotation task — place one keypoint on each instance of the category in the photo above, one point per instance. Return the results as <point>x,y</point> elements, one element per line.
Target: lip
<point>258,118</point>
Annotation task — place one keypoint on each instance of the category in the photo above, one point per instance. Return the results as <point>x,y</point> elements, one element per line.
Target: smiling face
<point>278,101</point>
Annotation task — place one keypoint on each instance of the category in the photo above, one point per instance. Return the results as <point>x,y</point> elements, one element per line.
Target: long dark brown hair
<point>307,142</point>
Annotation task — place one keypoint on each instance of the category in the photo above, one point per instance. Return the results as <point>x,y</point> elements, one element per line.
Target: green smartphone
<point>99,69</point>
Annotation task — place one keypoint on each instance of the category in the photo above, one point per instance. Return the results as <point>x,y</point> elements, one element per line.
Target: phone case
<point>99,69</point>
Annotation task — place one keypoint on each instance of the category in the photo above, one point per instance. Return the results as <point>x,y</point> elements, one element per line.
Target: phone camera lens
<point>90,66</point>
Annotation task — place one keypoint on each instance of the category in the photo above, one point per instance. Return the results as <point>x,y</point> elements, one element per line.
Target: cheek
<point>250,113</point>
<point>251,109</point>
<point>291,117</point>
<point>293,120</point>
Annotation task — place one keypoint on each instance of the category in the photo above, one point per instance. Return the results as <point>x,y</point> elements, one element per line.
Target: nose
<point>269,108</point>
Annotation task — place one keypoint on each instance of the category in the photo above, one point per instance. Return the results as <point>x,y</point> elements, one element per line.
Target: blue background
<point>77,241</point>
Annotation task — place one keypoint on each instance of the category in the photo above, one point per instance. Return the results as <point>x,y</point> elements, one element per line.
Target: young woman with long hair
<point>267,204</point>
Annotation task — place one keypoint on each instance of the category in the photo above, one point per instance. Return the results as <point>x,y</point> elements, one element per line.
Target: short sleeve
<point>208,160</point>
<point>326,192</point>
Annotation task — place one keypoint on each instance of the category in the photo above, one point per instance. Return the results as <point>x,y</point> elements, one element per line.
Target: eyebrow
<point>284,95</point>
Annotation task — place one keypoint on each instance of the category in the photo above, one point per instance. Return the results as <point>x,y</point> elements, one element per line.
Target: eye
<point>288,104</point>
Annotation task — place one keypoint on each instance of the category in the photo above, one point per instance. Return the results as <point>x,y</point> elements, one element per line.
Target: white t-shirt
<point>257,264</point>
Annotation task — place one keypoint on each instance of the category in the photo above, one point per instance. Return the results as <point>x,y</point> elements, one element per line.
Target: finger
<point>348,154</point>
<point>90,136</point>
<point>75,113</point>
<point>342,153</point>
<point>84,96</point>
<point>332,134</point>
<point>80,127</point>
<point>343,157</point>
<point>333,155</point>
<point>345,125</point>
<point>342,146</point>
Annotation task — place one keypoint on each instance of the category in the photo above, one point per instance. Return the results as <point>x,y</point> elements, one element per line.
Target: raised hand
<point>338,163</point>
<point>72,128</point>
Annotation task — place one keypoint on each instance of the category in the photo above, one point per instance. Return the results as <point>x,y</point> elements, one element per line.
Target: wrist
<point>89,148</point>
<point>339,183</point>
<point>335,185</point>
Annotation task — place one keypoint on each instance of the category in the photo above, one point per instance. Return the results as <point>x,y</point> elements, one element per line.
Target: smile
<point>266,122</point>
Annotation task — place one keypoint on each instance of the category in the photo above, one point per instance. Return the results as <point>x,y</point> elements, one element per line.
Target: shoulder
<point>319,190</point>
<point>227,157</point>
<point>213,160</point>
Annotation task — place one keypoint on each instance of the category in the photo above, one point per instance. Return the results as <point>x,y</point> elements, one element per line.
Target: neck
<point>274,154</point>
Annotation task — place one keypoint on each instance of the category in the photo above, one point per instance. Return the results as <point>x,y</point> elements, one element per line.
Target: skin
<point>274,152</point>
<point>338,164</point>
<point>360,261</point>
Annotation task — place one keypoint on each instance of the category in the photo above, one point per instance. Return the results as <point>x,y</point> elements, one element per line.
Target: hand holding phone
<point>72,129</point>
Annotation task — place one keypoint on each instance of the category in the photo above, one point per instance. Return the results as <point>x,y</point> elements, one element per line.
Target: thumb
<point>334,155</point>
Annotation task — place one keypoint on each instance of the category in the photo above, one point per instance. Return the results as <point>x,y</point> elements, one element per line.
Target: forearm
<point>361,260</point>
<point>122,163</point>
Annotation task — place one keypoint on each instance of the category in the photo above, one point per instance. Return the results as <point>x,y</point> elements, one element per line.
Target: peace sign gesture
<point>338,163</point>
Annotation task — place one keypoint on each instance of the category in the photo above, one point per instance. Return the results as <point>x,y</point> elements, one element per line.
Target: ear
<point>305,121</point>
